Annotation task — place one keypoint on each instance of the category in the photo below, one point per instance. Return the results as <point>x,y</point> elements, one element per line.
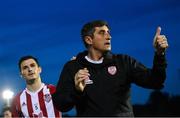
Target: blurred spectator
<point>6,112</point>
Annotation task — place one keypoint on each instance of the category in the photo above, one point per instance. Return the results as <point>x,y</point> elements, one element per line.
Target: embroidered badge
<point>47,97</point>
<point>112,70</point>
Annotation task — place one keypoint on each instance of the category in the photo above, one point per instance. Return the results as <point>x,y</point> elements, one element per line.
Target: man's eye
<point>32,65</point>
<point>25,67</point>
<point>102,33</point>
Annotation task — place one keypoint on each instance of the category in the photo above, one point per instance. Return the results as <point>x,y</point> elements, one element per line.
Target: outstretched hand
<point>160,42</point>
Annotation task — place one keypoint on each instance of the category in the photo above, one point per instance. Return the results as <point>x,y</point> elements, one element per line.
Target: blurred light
<point>7,94</point>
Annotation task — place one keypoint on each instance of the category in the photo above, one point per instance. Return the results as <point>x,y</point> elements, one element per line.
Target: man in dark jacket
<point>98,82</point>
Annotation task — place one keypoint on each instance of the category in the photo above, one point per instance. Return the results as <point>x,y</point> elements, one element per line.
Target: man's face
<point>30,70</point>
<point>102,39</point>
<point>7,114</point>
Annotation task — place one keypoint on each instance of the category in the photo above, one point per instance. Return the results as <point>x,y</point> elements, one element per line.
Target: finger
<point>79,80</point>
<point>81,74</point>
<point>164,38</point>
<point>161,38</point>
<point>84,71</point>
<point>158,31</point>
<point>73,58</point>
<point>163,44</point>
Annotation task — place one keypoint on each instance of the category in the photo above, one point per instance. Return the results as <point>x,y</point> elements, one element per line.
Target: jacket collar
<point>108,59</point>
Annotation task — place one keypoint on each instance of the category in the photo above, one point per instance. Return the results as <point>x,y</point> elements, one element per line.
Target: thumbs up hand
<point>160,42</point>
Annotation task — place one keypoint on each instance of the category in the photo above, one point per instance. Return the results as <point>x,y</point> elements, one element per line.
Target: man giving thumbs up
<point>98,82</point>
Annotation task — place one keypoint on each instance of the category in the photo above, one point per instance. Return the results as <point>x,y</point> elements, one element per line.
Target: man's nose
<point>29,69</point>
<point>108,36</point>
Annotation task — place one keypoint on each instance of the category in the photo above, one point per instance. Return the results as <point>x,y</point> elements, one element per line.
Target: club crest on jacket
<point>112,70</point>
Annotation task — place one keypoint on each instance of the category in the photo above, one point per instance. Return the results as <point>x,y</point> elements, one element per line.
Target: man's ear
<point>88,40</point>
<point>40,69</point>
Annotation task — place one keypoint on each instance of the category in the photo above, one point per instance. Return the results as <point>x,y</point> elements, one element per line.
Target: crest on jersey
<point>38,115</point>
<point>112,70</point>
<point>47,97</point>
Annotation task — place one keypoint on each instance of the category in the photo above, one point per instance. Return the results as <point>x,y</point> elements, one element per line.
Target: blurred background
<point>50,31</point>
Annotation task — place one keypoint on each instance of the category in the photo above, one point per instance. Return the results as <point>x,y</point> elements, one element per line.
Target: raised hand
<point>160,42</point>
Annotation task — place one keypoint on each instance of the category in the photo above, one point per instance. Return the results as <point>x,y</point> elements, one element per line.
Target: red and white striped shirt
<point>35,104</point>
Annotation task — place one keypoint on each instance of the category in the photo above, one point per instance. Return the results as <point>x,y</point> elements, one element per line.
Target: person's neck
<point>35,86</point>
<point>94,55</point>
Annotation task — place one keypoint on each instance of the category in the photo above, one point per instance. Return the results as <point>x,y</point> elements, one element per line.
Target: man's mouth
<point>108,43</point>
<point>31,74</point>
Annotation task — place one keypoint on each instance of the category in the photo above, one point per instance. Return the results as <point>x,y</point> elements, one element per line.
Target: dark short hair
<point>26,58</point>
<point>6,108</point>
<point>89,28</point>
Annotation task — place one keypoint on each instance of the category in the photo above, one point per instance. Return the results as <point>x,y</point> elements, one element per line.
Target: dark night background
<point>50,31</point>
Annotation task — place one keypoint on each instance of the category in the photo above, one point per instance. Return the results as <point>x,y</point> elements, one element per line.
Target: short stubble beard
<point>30,82</point>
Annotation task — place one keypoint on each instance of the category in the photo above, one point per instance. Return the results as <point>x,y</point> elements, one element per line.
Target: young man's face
<point>102,39</point>
<point>30,70</point>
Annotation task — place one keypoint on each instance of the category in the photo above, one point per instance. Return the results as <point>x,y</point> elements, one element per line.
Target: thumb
<point>158,31</point>
<point>85,69</point>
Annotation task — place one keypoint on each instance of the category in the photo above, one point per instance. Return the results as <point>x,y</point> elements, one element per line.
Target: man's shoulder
<point>17,96</point>
<point>71,64</point>
<point>51,87</point>
<point>20,92</point>
<point>123,56</point>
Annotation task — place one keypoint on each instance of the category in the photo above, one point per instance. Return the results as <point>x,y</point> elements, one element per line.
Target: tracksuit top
<point>109,94</point>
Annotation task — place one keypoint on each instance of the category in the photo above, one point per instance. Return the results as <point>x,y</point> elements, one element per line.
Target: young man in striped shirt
<point>35,100</point>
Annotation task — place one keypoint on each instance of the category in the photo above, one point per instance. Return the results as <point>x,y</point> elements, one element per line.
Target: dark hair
<point>89,28</point>
<point>7,108</point>
<point>26,58</point>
